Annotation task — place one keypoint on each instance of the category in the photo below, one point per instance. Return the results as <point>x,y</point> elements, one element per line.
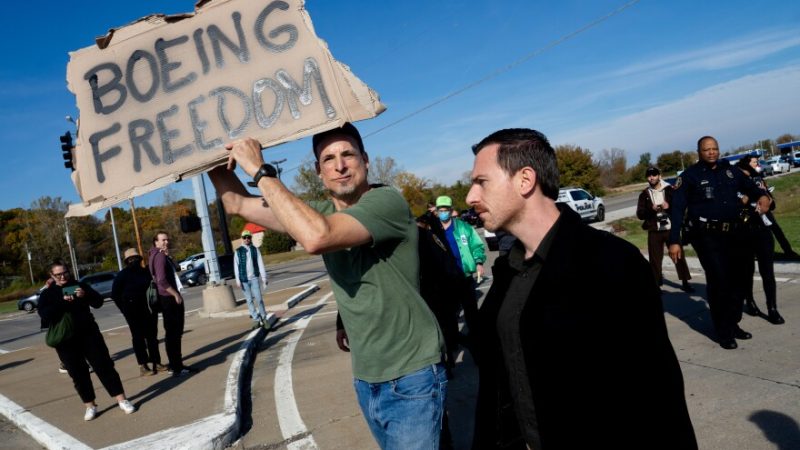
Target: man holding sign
<point>368,239</point>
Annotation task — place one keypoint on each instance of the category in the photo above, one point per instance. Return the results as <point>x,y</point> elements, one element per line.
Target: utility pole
<point>136,229</point>
<point>201,204</point>
<point>71,250</point>
<point>277,165</point>
<point>116,242</point>
<point>30,267</point>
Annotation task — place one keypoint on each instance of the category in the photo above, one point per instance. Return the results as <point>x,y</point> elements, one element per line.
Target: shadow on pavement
<point>779,428</point>
<point>15,364</point>
<point>691,309</point>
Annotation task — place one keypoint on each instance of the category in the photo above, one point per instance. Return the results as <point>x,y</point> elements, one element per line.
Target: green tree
<point>307,182</point>
<point>414,190</point>
<point>577,169</point>
<point>612,164</point>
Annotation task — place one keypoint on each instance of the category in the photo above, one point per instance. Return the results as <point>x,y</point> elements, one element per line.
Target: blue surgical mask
<point>444,216</point>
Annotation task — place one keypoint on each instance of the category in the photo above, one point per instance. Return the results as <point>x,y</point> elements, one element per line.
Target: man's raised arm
<point>238,201</point>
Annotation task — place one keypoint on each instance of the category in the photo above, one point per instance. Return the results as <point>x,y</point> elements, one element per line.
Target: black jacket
<point>52,306</point>
<point>600,364</point>
<point>130,288</point>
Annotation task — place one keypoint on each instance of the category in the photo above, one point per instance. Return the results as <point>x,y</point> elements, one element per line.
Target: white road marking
<point>46,434</point>
<point>289,419</point>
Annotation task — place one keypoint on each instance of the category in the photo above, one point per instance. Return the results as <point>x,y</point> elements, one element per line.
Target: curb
<point>215,432</point>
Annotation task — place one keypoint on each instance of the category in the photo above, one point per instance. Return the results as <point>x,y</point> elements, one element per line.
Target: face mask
<point>444,216</point>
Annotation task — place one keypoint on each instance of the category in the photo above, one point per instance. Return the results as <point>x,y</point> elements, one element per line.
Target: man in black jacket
<point>653,209</point>
<point>129,294</point>
<point>560,367</point>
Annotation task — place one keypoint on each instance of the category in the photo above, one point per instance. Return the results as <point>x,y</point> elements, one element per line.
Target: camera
<point>662,220</point>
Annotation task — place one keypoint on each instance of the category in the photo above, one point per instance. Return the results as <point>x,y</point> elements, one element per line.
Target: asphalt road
<point>21,330</point>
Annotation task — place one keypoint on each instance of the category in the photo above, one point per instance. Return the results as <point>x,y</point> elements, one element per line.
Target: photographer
<point>653,209</point>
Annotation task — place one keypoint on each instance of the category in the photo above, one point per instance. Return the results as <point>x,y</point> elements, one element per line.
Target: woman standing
<point>129,293</point>
<point>86,343</point>
<point>761,245</point>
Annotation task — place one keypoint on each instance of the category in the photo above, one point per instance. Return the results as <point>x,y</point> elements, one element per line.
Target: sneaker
<point>145,371</point>
<point>63,369</point>
<point>185,370</point>
<point>126,406</point>
<point>160,368</point>
<point>91,413</point>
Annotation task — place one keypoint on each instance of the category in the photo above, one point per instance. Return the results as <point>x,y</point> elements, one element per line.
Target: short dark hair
<point>155,236</point>
<point>56,263</point>
<point>700,141</point>
<point>524,147</point>
<point>348,129</point>
<point>652,170</point>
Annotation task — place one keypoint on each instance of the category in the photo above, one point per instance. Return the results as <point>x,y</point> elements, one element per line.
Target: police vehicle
<point>589,207</point>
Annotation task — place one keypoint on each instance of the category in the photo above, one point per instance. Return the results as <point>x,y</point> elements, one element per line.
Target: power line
<point>502,70</point>
<point>508,67</point>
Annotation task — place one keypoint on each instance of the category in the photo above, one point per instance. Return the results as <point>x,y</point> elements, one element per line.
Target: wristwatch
<point>266,170</point>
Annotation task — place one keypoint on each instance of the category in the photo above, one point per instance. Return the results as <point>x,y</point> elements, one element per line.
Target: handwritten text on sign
<point>166,100</point>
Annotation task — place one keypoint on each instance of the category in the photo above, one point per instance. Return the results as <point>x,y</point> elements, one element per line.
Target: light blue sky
<point>652,78</point>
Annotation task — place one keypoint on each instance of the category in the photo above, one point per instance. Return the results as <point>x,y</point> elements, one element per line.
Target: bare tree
<point>308,183</point>
<point>383,170</point>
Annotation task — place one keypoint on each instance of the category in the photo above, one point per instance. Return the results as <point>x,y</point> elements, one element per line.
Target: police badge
<point>729,173</point>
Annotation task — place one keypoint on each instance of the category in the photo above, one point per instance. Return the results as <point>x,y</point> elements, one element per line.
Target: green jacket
<point>470,246</point>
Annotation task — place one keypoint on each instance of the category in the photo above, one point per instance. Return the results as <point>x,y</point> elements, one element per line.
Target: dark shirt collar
<point>516,256</point>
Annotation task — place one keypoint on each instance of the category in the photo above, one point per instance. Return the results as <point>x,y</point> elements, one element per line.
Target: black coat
<point>130,288</point>
<point>600,364</point>
<point>52,306</point>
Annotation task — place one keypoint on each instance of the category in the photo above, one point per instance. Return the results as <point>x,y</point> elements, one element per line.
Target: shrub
<point>276,242</point>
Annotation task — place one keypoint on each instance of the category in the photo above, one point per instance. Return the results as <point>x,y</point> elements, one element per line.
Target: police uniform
<point>707,200</point>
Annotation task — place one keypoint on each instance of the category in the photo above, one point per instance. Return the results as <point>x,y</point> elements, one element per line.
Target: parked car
<point>766,168</point>
<point>779,165</point>
<point>796,159</point>
<point>588,206</point>
<point>190,262</point>
<point>100,282</point>
<point>198,276</point>
<point>194,277</point>
<point>30,302</point>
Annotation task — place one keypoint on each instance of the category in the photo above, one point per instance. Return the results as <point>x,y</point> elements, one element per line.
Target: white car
<point>190,262</point>
<point>589,207</point>
<point>779,165</point>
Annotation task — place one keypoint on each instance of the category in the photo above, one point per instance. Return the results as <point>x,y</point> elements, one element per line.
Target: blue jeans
<point>405,413</point>
<point>255,304</point>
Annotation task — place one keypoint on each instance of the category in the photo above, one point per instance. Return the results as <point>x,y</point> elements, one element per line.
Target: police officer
<point>709,189</point>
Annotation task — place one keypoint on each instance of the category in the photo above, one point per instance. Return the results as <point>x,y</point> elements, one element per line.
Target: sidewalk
<point>200,409</point>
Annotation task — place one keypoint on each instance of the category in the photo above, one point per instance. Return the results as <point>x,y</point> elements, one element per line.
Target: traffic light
<point>190,224</point>
<point>66,148</point>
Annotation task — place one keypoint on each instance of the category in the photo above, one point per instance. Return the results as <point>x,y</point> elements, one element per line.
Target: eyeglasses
<point>247,237</point>
<point>61,274</point>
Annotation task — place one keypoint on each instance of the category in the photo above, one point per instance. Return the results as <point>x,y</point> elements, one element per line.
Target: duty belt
<point>714,225</point>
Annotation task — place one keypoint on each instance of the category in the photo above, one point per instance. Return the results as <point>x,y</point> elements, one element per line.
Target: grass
<point>8,306</point>
<point>787,213</point>
<point>279,258</point>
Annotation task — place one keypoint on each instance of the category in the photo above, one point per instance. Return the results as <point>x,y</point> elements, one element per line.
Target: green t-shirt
<point>391,330</point>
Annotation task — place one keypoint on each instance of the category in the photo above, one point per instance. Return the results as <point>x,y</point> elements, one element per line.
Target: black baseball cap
<point>347,129</point>
<point>652,171</point>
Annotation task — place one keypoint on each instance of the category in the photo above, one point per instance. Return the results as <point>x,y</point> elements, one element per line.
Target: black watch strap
<point>266,170</point>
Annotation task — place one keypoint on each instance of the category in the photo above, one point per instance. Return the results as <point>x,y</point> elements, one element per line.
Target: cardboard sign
<point>160,97</point>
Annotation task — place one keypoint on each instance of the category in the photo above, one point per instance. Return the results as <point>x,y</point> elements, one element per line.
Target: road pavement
<point>292,387</point>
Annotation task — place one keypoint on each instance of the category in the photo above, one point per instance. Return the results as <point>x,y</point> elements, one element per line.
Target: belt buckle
<point>726,226</point>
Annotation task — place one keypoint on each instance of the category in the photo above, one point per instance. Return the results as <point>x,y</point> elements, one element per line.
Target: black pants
<point>656,241</point>
<point>173,314</point>
<point>762,246</point>
<point>723,255</point>
<point>144,333</point>
<point>469,302</point>
<point>87,345</point>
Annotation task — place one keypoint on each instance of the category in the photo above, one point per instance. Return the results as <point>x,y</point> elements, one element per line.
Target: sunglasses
<point>60,274</point>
